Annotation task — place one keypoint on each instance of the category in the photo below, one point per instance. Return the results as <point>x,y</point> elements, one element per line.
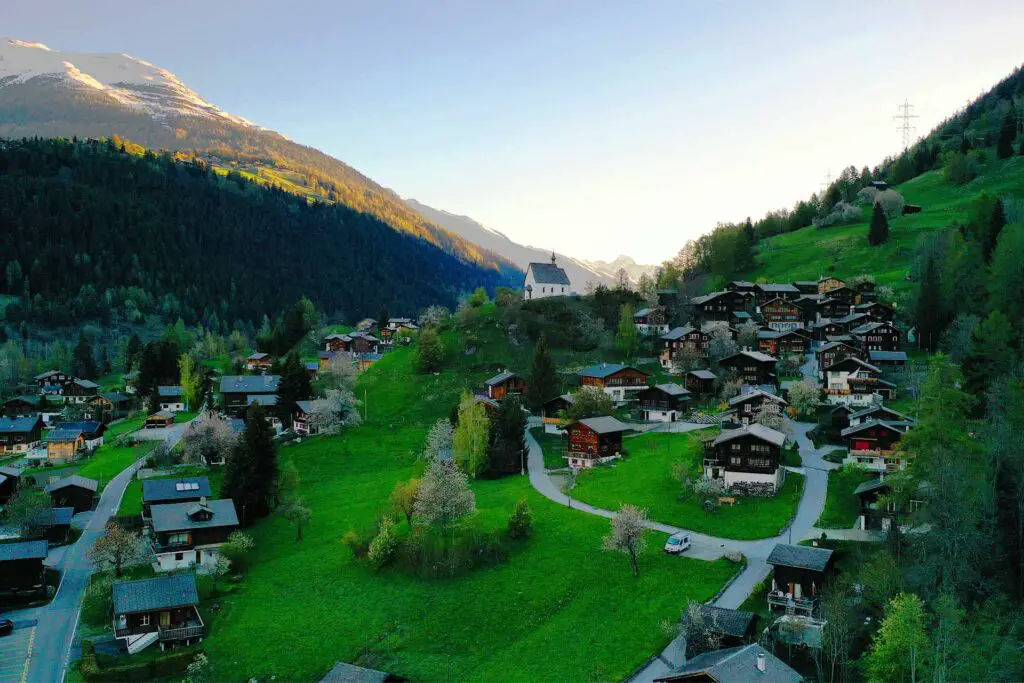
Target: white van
<point>677,543</point>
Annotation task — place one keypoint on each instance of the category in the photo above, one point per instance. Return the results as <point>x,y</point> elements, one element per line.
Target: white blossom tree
<point>208,440</point>
<point>340,373</point>
<point>439,439</point>
<point>804,398</point>
<point>335,411</point>
<point>444,497</point>
<point>629,534</point>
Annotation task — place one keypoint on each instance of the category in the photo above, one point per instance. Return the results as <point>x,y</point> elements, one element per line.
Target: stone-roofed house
<point>650,321</point>
<point>594,440</point>
<point>750,404</point>
<point>664,402</point>
<point>767,291</point>
<point>798,574</point>
<point>259,362</point>
<point>734,665</point>
<point>350,673</point>
<point>781,315</point>
<point>159,419</point>
<point>544,280</point>
<point>877,412</point>
<point>53,524</point>
<point>172,398</point>
<point>21,568</point>
<point>617,380</point>
<point>19,434</point>
<point>701,382</point>
<point>238,391</point>
<point>855,382</point>
<point>681,341</point>
<point>729,627</point>
<point>753,367</point>
<point>718,305</point>
<point>80,390</point>
<point>747,460</point>
<point>164,610</point>
<point>108,406</point>
<point>775,343</point>
<point>53,382</point>
<point>187,534</point>
<point>806,286</point>
<point>177,490</point>
<point>74,491</point>
<point>503,384</point>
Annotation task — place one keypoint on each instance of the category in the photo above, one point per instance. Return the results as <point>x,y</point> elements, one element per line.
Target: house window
<point>735,446</point>
<point>178,557</point>
<point>736,461</point>
<point>144,620</point>
<point>543,289</point>
<point>177,539</point>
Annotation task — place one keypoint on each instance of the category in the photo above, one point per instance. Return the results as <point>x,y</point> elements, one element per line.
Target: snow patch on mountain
<point>130,81</point>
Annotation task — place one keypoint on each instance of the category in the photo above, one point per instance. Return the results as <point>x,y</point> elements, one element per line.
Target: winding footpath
<point>815,470</point>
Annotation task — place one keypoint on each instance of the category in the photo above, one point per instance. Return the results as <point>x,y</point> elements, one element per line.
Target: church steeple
<point>552,257</point>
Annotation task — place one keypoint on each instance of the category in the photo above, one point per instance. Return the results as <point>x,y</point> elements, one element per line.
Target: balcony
<point>185,627</point>
<point>790,604</point>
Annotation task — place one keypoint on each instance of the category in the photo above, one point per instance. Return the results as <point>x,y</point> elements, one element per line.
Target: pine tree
<point>294,386</point>
<point>996,223</point>
<point>382,320</point>
<point>627,337</point>
<point>748,231</point>
<point>1006,285</point>
<point>1007,134</point>
<point>133,353</point>
<point>543,383</point>
<point>929,310</point>
<point>83,363</point>
<point>508,439</point>
<point>992,353</point>
<point>251,471</point>
<point>879,230</point>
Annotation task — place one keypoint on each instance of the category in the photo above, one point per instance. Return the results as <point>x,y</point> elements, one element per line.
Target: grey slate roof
<point>48,517</point>
<point>799,556</point>
<point>604,425</point>
<point>249,384</point>
<point>165,592</point>
<point>10,472</point>
<point>673,389</point>
<point>755,355</point>
<point>740,398</point>
<point>500,378</point>
<point>697,300</point>
<point>703,374</point>
<point>73,480</point>
<point>174,517</point>
<point>867,327</point>
<point>64,435</point>
<point>164,414</point>
<point>87,427</point>
<point>854,359</point>
<point>48,373</point>
<point>17,425</point>
<point>887,356</point>
<point>28,398</point>
<point>875,409</point>
<point>350,673</point>
<point>873,485</point>
<point>23,550</point>
<point>737,665</point>
<point>87,384</point>
<point>258,356</point>
<point>777,287</point>
<point>678,332</point>
<point>731,622</point>
<point>754,429</point>
<point>114,396</point>
<point>305,406</point>
<point>170,391</point>
<point>175,489</point>
<point>895,425</point>
<point>549,274</point>
<point>602,370</point>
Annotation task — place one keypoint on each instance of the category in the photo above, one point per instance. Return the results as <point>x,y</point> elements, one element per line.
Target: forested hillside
<point>87,229</point>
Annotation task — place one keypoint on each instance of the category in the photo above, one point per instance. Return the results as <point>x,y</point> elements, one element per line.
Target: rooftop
<point>175,489</point>
<point>740,398</point>
<point>736,665</point>
<point>887,356</point>
<point>165,592</point>
<point>500,378</point>
<point>18,425</point>
<point>548,274</point>
<point>673,389</point>
<point>703,374</point>
<point>249,384</point>
<point>729,621</point>
<point>754,429</point>
<point>24,550</point>
<point>895,425</point>
<point>177,516</point>
<point>869,486</point>
<point>800,557</point>
<point>602,370</point>
<point>350,673</point>
<point>604,425</point>
<point>73,480</point>
<point>170,391</point>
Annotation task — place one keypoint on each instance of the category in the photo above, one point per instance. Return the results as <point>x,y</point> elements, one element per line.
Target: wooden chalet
<point>734,664</point>
<point>825,328</point>
<point>827,284</point>
<point>782,314</point>
<point>616,380</point>
<point>718,305</point>
<point>865,290</point>
<point>844,294</point>
<point>682,341</point>
<point>52,524</point>
<point>503,384</point>
<point>806,287</point>
<point>23,406</point>
<point>365,360</point>
<point>594,440</point>
<point>352,342</point>
<point>22,573</point>
<point>855,382</point>
<point>878,310</point>
<point>238,392</point>
<point>833,352</point>
<point>747,460</point>
<point>19,434</point>
<point>10,481</point>
<point>767,291</point>
<point>172,398</point>
<point>738,318</point>
<point>753,367</point>
<point>163,610</point>
<point>876,512</point>
<point>176,490</point>
<point>664,402</point>
<point>109,406</point>
<point>160,419</point>
<point>798,575</point>
<point>729,627</point>
<point>827,308</point>
<point>80,391</point>
<point>190,534</point>
<point>701,382</point>
<point>92,431</point>
<point>64,445</point>
<point>888,359</point>
<point>740,286</point>
<point>259,362</point>
<point>788,343</point>
<point>877,336</point>
<point>323,359</point>
<point>749,405</point>
<point>877,412</point>
<point>53,382</point>
<point>74,492</point>
<point>874,445</point>
<point>651,321</point>
<point>553,407</point>
<point>302,419</point>
<point>807,304</point>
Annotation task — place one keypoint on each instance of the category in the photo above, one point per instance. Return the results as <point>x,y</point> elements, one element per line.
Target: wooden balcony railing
<point>182,633</point>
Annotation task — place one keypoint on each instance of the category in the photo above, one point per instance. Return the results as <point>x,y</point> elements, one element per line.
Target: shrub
<point>431,554</point>
<point>97,606</point>
<point>384,545</point>
<point>238,550</point>
<point>841,214</point>
<point>891,201</point>
<point>868,195</point>
<point>960,169</point>
<point>355,543</point>
<point>521,521</point>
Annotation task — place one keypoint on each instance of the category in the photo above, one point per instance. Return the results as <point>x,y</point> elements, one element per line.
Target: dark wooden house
<point>718,305</point>
<point>806,286</point>
<point>52,524</point>
<point>259,362</point>
<point>701,382</point>
<point>74,492</point>
<point>738,664</point>
<point>238,392</point>
<point>798,575</point>
<point>53,382</point>
<point>880,311</point>
<point>828,283</point>
<point>553,407</point>
<point>160,419</point>
<point>22,574</point>
<point>749,405</point>
<point>833,352</point>
<point>106,407</point>
<point>187,534</point>
<point>753,367</point>
<point>781,314</point>
<point>19,434</point>
<point>651,320</point>
<point>164,610</point>
<point>767,291</point>
<point>681,341</point>
<point>664,402</point>
<point>618,381</point>
<point>503,384</point>
<point>877,336</point>
<point>177,490</point>
<point>594,440</point>
<point>888,359</point>
<point>747,460</point>
<point>775,343</point>
<point>729,627</point>
<point>23,406</point>
<point>10,481</point>
<point>875,437</point>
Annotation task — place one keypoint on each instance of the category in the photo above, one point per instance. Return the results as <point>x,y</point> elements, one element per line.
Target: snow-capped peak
<point>131,82</point>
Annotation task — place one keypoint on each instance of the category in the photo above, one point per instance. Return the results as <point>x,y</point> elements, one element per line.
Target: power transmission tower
<point>828,180</point>
<point>905,116</point>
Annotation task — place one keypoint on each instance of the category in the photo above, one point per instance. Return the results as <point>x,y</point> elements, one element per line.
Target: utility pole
<point>905,116</point>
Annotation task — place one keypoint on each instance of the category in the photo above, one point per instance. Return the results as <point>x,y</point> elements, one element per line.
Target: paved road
<point>56,622</point>
<point>815,470</point>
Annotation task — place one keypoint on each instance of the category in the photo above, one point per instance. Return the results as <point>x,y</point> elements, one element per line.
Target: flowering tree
<point>340,373</point>
<point>338,409</point>
<point>439,439</point>
<point>117,549</point>
<point>444,496</point>
<point>208,439</point>
<point>628,535</point>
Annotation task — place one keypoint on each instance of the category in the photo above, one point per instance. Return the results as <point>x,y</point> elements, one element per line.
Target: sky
<point>592,128</point>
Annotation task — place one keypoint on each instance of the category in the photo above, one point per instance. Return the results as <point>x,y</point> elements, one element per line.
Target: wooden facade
<point>782,314</point>
<point>503,384</point>
<point>827,284</point>
<point>782,343</point>
<point>877,337</point>
<point>700,382</point>
<point>593,440</point>
<point>20,433</point>
<point>753,367</point>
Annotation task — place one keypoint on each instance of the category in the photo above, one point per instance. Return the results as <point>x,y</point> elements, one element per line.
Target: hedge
<point>169,664</point>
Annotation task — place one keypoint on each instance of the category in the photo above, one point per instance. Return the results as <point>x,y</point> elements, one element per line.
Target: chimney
<point>760,662</point>
<point>202,500</point>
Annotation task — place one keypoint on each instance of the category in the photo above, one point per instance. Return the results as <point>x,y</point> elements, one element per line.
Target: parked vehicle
<point>677,543</point>
<point>6,627</point>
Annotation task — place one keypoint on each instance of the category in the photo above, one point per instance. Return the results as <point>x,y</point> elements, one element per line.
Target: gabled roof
<point>604,425</point>
<point>779,298</point>
<point>735,665</point>
<point>258,356</point>
<point>32,400</point>
<point>805,283</point>
<point>897,426</point>
<point>25,550</point>
<point>742,315</point>
<point>304,406</point>
<point>702,374</point>
<point>175,489</point>
<point>732,622</point>
<point>678,332</point>
<point>868,327</point>
<point>711,296</point>
<point>50,517</point>
<point>73,480</point>
<point>602,370</point>
<point>548,274</point>
<point>61,435</point>
<point>644,311</point>
<point>350,673</point>
<point>175,516</point>
<point>777,287</point>
<point>826,278</point>
<point>86,426</point>
<point>249,384</point>
<point>755,355</point>
<point>48,374</point>
<point>114,396</point>
<point>756,430</point>
<point>742,283</point>
<point>876,409</point>
<point>18,425</point>
<point>500,378</point>
<point>855,361</point>
<point>887,356</point>
<point>163,414</point>
<point>754,394</point>
<point>86,383</point>
<point>568,398</point>
<point>11,472</point>
<point>869,486</point>
<point>171,391</point>
<point>672,389</point>
<point>800,557</point>
<point>148,595</point>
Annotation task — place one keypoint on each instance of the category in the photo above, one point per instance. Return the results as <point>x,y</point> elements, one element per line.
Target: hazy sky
<point>596,128</point>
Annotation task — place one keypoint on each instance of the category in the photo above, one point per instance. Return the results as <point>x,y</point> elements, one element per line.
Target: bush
<point>842,213</point>
<point>238,550</point>
<point>355,543</point>
<point>167,665</point>
<point>97,606</point>
<point>430,554</point>
<point>384,545</point>
<point>521,521</point>
<point>891,201</point>
<point>868,195</point>
<point>960,169</point>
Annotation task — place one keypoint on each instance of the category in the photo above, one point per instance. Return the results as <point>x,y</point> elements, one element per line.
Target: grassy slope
<point>108,460</point>
<point>646,479</point>
<point>807,254</point>
<point>841,506</point>
<point>560,609</point>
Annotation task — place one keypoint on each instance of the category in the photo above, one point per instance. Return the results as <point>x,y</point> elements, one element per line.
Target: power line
<point>906,127</point>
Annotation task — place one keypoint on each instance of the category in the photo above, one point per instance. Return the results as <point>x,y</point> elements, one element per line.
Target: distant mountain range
<point>47,93</point>
<point>580,272</point>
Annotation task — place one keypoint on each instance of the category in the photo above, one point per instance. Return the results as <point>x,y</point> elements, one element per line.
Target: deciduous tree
<point>901,643</point>
<point>628,536</point>
<point>117,548</point>
<point>429,352</point>
<point>403,498</point>
<point>444,497</point>
<point>471,438</point>
<point>627,337</point>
